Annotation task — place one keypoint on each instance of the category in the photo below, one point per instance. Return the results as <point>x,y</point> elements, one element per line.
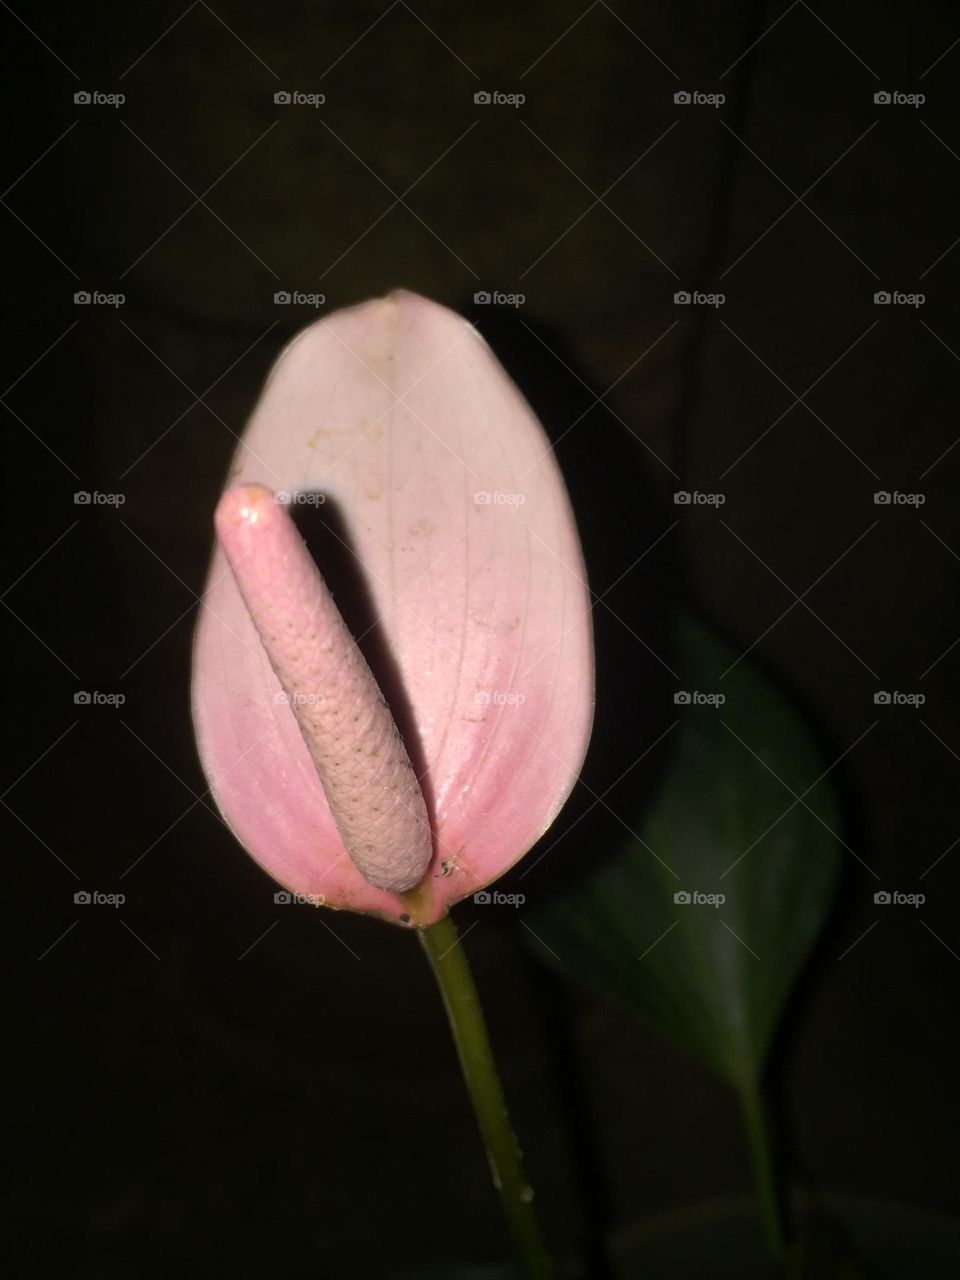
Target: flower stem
<point>452,971</point>
<point>758,1138</point>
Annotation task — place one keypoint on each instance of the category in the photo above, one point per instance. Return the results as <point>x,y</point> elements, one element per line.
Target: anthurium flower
<point>395,413</point>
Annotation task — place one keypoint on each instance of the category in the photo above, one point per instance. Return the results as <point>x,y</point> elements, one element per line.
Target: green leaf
<point>741,812</point>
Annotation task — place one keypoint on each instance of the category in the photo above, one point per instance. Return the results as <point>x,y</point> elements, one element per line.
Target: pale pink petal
<point>452,500</point>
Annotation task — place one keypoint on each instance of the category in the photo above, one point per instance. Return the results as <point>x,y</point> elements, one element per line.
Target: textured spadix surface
<point>448,494</point>
<point>353,739</point>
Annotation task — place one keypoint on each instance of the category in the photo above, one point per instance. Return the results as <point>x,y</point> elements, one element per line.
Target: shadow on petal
<point>323,529</point>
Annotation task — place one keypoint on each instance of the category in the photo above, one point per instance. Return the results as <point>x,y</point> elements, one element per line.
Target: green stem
<point>450,967</point>
<point>758,1138</point>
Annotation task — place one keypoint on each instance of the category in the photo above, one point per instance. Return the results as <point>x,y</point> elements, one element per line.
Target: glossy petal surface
<point>449,497</point>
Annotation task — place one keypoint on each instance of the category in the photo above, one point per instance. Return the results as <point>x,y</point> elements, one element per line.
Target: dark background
<point>207,1080</point>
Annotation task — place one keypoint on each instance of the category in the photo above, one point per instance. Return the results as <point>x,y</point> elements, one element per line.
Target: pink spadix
<point>447,492</point>
<point>369,782</point>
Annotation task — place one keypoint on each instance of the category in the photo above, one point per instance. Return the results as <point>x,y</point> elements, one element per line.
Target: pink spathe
<point>450,497</point>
